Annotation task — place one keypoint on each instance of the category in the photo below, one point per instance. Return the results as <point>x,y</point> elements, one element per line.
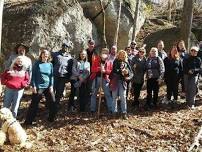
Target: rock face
<point>92,10</point>
<point>49,23</point>
<point>46,24</point>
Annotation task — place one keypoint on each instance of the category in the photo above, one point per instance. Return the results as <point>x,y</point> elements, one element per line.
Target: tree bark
<point>104,27</point>
<point>186,23</point>
<point>118,24</point>
<point>169,10</point>
<point>135,19</point>
<point>1,17</point>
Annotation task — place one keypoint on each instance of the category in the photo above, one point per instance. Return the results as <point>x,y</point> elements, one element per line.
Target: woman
<point>138,66</point>
<point>101,66</point>
<point>173,73</point>
<point>15,79</point>
<point>192,69</point>
<point>183,55</point>
<point>80,73</point>
<point>121,73</point>
<point>42,83</point>
<point>155,71</point>
<point>161,52</point>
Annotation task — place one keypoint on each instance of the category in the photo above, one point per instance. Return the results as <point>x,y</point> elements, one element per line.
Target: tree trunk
<point>135,19</point>
<point>1,17</point>
<point>104,27</point>
<point>169,10</point>
<point>118,24</point>
<point>186,23</point>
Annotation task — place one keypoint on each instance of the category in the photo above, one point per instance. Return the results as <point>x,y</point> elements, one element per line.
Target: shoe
<point>51,119</point>
<point>124,116</point>
<point>27,124</point>
<point>193,107</point>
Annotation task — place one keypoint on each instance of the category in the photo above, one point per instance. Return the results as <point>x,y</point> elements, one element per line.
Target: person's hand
<point>191,72</point>
<point>125,72</point>
<point>34,90</point>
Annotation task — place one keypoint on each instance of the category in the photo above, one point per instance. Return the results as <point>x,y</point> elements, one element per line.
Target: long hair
<point>174,54</point>
<point>83,51</point>
<point>42,52</point>
<point>124,53</point>
<point>181,41</point>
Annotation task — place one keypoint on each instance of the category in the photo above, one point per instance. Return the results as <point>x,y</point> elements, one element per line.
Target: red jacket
<point>14,79</point>
<point>95,68</point>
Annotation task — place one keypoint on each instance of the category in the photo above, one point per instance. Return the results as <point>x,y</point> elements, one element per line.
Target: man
<point>134,51</point>
<point>90,50</point>
<point>20,50</point>
<point>62,69</point>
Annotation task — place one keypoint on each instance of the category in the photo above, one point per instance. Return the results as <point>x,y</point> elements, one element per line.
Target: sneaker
<point>124,116</point>
<point>193,107</point>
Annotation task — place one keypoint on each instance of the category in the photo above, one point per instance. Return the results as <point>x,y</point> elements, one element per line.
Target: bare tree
<point>186,23</point>
<point>1,17</point>
<point>104,27</point>
<point>118,24</point>
<point>135,19</point>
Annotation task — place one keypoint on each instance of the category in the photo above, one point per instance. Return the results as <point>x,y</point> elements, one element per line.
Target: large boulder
<point>92,10</point>
<point>46,23</point>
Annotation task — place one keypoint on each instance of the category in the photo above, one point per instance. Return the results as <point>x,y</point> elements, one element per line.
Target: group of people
<point>116,72</point>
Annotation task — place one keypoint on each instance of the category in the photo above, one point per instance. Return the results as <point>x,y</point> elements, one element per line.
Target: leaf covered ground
<point>163,129</point>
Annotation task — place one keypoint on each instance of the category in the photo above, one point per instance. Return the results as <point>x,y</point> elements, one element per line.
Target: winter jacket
<point>116,74</point>
<point>80,69</point>
<point>96,67</point>
<point>15,79</point>
<point>90,55</point>
<point>155,68</point>
<point>192,63</point>
<point>139,67</point>
<point>162,54</point>
<point>173,68</point>
<point>62,64</point>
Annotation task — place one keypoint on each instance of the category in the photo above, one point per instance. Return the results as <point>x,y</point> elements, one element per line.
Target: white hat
<point>194,48</point>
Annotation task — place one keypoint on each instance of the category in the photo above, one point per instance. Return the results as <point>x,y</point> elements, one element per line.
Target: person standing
<point>112,53</point>
<point>138,66</point>
<point>133,48</point>
<point>155,72</point>
<point>183,55</point>
<point>80,74</point>
<point>62,69</point>
<point>121,73</point>
<point>173,73</point>
<point>16,78</point>
<point>20,50</point>
<point>101,66</point>
<point>192,69</point>
<point>91,51</point>
<point>42,84</point>
<point>161,52</point>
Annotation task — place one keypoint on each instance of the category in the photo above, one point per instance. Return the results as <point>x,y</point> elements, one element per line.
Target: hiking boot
<point>124,116</point>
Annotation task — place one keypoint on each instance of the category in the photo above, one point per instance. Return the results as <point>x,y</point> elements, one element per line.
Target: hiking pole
<point>100,93</point>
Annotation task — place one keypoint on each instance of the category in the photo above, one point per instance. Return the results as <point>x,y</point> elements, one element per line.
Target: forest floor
<point>163,129</point>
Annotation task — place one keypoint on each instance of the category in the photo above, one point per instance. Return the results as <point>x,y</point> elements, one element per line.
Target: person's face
<point>104,55</point>
<point>133,45</point>
<point>65,49</point>
<point>45,55</point>
<point>129,51</point>
<point>113,51</point>
<point>141,53</point>
<point>153,53</point>
<point>18,62</point>
<point>181,45</point>
<point>21,50</point>
<point>83,55</point>
<point>193,52</point>
<point>122,56</point>
<point>160,46</point>
<point>91,46</point>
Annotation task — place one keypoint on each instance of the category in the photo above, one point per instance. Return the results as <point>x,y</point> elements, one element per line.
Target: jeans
<point>59,85</point>
<point>191,88</point>
<point>120,91</point>
<point>36,97</point>
<point>12,99</point>
<point>107,93</point>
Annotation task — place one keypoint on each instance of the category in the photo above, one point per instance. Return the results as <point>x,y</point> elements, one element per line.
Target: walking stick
<point>100,93</point>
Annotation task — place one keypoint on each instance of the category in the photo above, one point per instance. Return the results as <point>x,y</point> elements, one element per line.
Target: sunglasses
<point>141,52</point>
